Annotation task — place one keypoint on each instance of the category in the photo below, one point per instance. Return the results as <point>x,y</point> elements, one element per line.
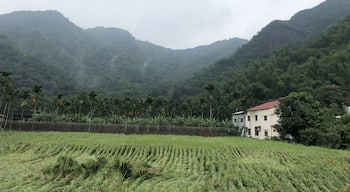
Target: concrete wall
<point>239,120</point>
<point>347,109</point>
<point>260,124</point>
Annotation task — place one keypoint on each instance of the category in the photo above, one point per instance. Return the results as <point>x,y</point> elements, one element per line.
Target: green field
<point>53,161</point>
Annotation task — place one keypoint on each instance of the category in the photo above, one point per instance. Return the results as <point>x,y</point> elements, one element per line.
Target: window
<point>235,120</point>
<point>248,118</point>
<point>266,134</point>
<point>242,120</point>
<point>257,130</point>
<point>265,118</point>
<point>249,132</point>
<point>256,117</point>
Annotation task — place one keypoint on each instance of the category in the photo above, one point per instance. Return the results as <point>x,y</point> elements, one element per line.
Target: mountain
<point>319,67</point>
<point>28,71</point>
<point>108,60</point>
<point>156,59</point>
<point>278,34</point>
<point>52,39</point>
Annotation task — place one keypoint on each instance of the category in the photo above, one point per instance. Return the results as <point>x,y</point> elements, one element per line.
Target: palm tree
<point>59,103</point>
<point>92,98</point>
<point>13,95</point>
<point>37,95</point>
<point>81,101</point>
<point>5,83</point>
<point>24,96</point>
<point>210,90</point>
<point>116,106</point>
<point>6,80</point>
<point>149,103</point>
<point>6,89</point>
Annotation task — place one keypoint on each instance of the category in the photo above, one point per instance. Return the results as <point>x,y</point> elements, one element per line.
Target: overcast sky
<point>171,23</point>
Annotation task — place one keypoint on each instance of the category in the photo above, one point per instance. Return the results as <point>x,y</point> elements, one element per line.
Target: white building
<point>347,109</point>
<point>260,121</point>
<point>238,120</point>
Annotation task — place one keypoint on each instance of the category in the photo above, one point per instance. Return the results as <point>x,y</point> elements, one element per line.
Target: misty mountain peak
<point>34,16</point>
<point>111,35</point>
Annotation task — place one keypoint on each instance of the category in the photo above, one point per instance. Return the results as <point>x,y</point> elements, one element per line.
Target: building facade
<point>238,120</point>
<point>347,109</point>
<point>260,121</point>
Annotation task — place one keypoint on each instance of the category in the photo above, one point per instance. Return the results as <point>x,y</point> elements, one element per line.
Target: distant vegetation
<point>302,27</point>
<point>108,60</point>
<point>27,70</point>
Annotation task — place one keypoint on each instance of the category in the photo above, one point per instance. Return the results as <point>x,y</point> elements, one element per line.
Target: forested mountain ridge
<point>320,67</point>
<point>300,28</point>
<point>108,60</point>
<point>312,84</point>
<point>28,70</point>
<point>157,59</point>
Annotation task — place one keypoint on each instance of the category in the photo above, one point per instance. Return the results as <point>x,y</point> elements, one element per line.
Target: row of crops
<point>115,119</point>
<point>103,167</point>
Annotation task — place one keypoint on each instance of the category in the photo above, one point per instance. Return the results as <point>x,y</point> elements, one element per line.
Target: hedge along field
<point>55,161</point>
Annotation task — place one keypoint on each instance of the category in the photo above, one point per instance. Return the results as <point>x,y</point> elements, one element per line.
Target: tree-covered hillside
<point>107,60</point>
<point>301,27</point>
<point>321,66</point>
<point>28,70</point>
<point>312,83</point>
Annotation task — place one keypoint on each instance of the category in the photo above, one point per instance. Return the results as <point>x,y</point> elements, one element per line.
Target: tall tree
<point>24,96</point>
<point>7,96</point>
<point>37,96</point>
<point>298,111</point>
<point>210,91</point>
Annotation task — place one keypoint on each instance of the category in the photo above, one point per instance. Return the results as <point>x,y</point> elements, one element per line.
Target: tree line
<point>90,107</point>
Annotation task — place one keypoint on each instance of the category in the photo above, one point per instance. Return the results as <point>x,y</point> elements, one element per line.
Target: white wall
<point>266,125</point>
<point>347,109</point>
<point>237,120</point>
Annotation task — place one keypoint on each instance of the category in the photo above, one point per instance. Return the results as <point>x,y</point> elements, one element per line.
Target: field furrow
<point>26,166</point>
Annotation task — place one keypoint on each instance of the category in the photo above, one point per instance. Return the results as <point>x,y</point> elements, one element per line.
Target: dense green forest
<point>28,70</point>
<point>302,27</point>
<point>108,60</point>
<point>312,83</point>
<point>320,67</point>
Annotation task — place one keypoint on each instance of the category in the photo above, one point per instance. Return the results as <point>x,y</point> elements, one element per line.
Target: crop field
<point>54,161</point>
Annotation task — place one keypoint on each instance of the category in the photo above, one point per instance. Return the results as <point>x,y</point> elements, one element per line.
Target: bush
<point>311,136</point>
<point>345,119</point>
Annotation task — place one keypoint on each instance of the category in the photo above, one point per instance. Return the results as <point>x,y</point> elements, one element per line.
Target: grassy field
<point>53,161</point>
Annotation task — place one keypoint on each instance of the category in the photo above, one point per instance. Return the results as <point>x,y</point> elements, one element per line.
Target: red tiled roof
<point>268,105</point>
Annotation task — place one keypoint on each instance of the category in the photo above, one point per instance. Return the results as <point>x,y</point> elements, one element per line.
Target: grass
<point>54,161</point>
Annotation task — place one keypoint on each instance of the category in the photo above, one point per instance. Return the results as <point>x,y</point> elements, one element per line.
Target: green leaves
<point>298,111</point>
